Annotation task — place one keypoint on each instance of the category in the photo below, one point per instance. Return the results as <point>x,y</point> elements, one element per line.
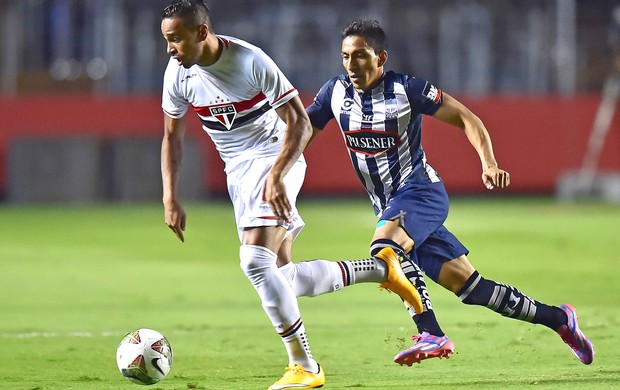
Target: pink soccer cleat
<point>573,336</point>
<point>425,346</point>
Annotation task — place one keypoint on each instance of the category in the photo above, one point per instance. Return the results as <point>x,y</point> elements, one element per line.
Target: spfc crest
<point>224,113</point>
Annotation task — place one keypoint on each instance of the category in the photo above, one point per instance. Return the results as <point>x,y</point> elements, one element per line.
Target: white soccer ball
<point>144,356</point>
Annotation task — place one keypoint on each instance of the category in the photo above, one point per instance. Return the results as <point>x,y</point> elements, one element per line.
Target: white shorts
<point>246,184</point>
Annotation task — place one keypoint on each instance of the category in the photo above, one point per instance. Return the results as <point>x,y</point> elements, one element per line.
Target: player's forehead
<point>356,44</point>
<point>173,26</point>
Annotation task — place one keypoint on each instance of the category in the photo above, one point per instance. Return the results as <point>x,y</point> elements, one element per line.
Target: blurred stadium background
<point>80,92</point>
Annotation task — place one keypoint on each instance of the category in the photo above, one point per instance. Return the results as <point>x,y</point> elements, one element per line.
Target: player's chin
<point>183,62</point>
<point>360,86</point>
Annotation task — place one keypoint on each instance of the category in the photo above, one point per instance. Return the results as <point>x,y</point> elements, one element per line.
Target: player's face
<point>182,42</point>
<point>364,66</point>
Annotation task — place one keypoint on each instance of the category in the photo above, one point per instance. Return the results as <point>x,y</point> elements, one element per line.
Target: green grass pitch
<point>75,280</point>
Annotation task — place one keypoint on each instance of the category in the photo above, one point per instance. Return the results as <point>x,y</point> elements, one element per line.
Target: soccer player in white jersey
<point>257,121</point>
<point>380,115</point>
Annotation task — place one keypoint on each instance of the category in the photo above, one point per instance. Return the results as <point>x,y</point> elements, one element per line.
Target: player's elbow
<point>303,129</point>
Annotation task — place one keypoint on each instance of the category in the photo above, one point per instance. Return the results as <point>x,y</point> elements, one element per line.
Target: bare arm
<point>315,132</point>
<point>455,113</point>
<point>298,133</point>
<point>171,157</point>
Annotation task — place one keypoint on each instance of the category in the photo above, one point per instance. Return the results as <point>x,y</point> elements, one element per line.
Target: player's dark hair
<point>192,12</point>
<point>370,30</point>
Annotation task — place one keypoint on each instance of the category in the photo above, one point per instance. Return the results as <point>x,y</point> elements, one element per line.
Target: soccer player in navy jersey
<point>380,115</point>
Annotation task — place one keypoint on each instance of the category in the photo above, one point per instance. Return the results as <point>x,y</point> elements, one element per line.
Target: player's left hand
<point>275,195</point>
<point>494,177</point>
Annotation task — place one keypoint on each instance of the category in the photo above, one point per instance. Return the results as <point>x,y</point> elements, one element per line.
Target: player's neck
<point>375,81</point>
<point>212,51</point>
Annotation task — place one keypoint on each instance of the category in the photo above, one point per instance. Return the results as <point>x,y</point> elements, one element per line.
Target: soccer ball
<point>144,356</point>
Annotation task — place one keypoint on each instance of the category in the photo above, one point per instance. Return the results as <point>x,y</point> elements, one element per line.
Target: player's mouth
<point>356,80</point>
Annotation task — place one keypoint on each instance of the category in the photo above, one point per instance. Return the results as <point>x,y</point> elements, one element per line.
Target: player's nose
<point>171,50</point>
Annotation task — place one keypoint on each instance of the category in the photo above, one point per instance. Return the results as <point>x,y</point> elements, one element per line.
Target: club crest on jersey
<point>370,142</point>
<point>391,108</point>
<point>224,113</point>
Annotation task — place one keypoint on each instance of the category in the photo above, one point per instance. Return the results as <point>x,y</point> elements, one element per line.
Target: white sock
<point>279,302</point>
<point>365,271</point>
<point>316,277</point>
<point>312,278</point>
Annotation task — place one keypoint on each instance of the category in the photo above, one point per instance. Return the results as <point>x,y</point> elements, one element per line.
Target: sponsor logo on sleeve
<point>432,93</point>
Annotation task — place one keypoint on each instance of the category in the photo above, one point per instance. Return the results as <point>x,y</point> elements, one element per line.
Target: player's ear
<point>383,56</point>
<point>203,31</point>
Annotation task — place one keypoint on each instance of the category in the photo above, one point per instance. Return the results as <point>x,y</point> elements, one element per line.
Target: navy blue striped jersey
<point>382,129</point>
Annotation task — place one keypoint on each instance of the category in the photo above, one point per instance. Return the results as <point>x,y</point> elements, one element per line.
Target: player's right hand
<point>275,195</point>
<point>175,218</point>
<point>494,177</point>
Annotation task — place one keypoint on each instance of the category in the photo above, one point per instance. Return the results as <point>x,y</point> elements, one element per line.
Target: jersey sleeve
<point>173,103</point>
<point>274,84</point>
<point>320,111</point>
<point>424,96</point>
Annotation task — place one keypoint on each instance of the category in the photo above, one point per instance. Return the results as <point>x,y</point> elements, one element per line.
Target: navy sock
<point>425,321</point>
<point>509,302</point>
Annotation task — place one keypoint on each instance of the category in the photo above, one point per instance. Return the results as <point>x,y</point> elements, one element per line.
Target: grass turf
<point>74,280</point>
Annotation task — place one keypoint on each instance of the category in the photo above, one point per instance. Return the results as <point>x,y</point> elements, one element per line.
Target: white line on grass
<point>32,335</point>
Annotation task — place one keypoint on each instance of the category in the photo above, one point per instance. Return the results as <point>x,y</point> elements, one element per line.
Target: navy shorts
<point>422,210</point>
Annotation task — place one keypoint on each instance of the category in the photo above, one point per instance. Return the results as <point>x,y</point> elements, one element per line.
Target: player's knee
<point>393,231</point>
<point>253,259</point>
<point>378,244</point>
<point>289,270</point>
<point>454,274</point>
<point>316,277</point>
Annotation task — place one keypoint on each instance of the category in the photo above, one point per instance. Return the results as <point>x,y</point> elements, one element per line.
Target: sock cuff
<point>347,273</point>
<point>381,243</point>
<point>288,270</point>
<point>291,330</point>
<point>257,249</point>
<point>469,286</point>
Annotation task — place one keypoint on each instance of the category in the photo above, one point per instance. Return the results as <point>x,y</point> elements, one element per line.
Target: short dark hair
<point>192,12</point>
<point>370,30</point>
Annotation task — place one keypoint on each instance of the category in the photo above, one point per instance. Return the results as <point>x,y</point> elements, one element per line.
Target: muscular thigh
<point>285,254</point>
<point>270,237</point>
<point>391,230</point>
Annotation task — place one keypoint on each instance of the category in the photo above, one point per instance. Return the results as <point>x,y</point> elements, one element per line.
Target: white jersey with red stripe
<point>235,98</point>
